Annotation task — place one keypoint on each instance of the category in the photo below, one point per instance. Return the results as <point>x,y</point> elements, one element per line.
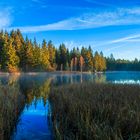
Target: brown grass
<point>96,112</point>
<point>11,105</point>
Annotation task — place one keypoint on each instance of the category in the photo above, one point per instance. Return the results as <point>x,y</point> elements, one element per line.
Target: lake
<point>30,92</point>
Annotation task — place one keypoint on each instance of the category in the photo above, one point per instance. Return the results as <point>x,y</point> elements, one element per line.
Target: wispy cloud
<point>5,18</point>
<point>100,3</point>
<point>92,19</point>
<point>118,43</point>
<point>111,49</point>
<point>130,38</point>
<point>122,47</point>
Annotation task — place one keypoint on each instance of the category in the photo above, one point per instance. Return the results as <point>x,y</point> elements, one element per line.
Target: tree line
<point>19,54</point>
<point>22,54</point>
<point>122,64</point>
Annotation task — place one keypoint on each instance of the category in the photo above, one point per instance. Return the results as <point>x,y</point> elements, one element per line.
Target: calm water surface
<point>34,120</point>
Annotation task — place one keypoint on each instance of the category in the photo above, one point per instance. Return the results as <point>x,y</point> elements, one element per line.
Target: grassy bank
<point>96,112</point>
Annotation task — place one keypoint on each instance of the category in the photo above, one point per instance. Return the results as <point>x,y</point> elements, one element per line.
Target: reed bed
<point>96,112</point>
<point>11,105</point>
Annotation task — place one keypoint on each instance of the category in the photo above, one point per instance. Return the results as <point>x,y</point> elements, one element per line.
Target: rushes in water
<point>96,112</point>
<point>11,105</point>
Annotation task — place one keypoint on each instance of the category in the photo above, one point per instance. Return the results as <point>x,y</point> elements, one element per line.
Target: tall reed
<point>96,112</point>
<point>11,105</point>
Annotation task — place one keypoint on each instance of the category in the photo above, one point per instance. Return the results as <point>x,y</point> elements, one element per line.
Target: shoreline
<point>53,72</point>
<point>57,72</point>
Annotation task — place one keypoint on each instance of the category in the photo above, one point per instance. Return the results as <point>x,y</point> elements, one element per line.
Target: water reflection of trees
<point>16,93</point>
<point>100,78</point>
<point>35,89</point>
<point>79,78</point>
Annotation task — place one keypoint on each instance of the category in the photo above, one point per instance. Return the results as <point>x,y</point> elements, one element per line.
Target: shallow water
<point>33,122</point>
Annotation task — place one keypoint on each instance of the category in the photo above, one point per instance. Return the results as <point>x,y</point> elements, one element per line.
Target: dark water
<point>33,120</point>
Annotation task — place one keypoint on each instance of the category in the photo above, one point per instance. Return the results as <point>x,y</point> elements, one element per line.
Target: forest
<point>19,54</point>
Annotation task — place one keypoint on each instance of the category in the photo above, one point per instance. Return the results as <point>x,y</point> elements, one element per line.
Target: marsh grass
<point>11,105</point>
<point>96,112</point>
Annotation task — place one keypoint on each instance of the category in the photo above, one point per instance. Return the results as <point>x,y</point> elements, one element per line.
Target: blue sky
<point>111,26</point>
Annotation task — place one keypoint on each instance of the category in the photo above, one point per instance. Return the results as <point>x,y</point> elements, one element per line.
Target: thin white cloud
<point>130,38</point>
<point>100,3</point>
<point>5,18</point>
<point>92,19</point>
<point>115,44</point>
<point>111,49</point>
<point>121,47</point>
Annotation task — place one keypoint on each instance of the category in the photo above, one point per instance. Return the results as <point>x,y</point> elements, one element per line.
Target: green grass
<point>96,112</point>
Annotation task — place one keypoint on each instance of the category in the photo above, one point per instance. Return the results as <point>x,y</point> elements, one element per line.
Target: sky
<point>111,26</point>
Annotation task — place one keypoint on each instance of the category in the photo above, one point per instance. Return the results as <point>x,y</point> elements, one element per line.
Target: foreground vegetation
<point>96,111</point>
<point>11,105</point>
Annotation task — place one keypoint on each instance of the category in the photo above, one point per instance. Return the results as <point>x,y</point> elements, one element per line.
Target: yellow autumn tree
<point>99,62</point>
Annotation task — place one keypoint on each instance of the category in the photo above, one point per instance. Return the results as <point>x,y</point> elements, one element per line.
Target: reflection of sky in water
<point>123,77</point>
<point>34,123</point>
<point>38,109</point>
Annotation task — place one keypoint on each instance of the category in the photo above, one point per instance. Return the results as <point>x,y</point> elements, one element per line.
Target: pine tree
<point>1,47</point>
<point>57,58</point>
<point>99,62</point>
<point>11,61</point>
<point>36,56</point>
<point>51,51</point>
<point>27,61</point>
<point>63,55</point>
<point>4,50</point>
<point>88,58</point>
<point>45,57</point>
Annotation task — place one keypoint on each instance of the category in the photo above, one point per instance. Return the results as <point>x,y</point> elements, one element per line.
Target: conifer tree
<point>11,61</point>
<point>27,61</point>
<point>51,51</point>
<point>63,55</point>
<point>45,56</point>
<point>1,47</point>
<point>36,56</point>
<point>99,62</point>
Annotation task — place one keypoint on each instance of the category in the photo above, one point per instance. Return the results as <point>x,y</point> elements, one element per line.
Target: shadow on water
<point>24,105</point>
